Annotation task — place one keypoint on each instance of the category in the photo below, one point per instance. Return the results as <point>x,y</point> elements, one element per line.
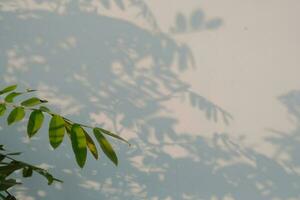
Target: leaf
<point>8,89</point>
<point>27,172</point>
<point>45,109</point>
<point>10,97</point>
<point>30,90</point>
<point>33,102</point>
<point>10,197</point>
<point>35,122</point>
<point>91,145</point>
<point>47,175</point>
<point>9,168</point>
<point>17,114</point>
<point>113,135</point>
<point>2,109</point>
<point>5,184</point>
<point>106,146</point>
<point>68,127</point>
<point>79,144</point>
<point>2,157</point>
<point>14,154</point>
<point>56,131</point>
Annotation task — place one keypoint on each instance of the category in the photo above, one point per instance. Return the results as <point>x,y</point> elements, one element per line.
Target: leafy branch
<point>9,165</point>
<point>58,126</point>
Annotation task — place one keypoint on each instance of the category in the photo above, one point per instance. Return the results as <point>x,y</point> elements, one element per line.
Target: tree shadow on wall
<point>196,21</point>
<point>288,143</point>
<point>110,70</point>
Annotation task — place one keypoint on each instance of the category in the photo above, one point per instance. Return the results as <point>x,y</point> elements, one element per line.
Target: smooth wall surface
<point>207,92</point>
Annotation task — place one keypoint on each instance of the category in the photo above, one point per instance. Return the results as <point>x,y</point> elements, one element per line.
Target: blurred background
<point>207,93</point>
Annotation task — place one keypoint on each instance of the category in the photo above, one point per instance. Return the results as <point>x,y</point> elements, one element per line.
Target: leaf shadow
<point>118,74</point>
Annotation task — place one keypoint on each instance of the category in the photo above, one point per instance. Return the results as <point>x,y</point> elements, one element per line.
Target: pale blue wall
<point>208,101</point>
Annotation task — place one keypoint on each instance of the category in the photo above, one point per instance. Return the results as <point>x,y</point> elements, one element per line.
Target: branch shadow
<point>120,75</point>
<point>287,143</point>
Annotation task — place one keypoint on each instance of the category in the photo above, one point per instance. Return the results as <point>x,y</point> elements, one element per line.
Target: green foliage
<point>17,114</point>
<point>9,165</point>
<point>33,102</point>
<point>58,126</point>
<point>8,89</point>
<point>10,97</point>
<point>105,146</point>
<point>80,139</point>
<point>91,145</point>
<point>35,122</point>
<point>56,131</point>
<point>106,132</point>
<point>79,144</point>
<point>2,109</point>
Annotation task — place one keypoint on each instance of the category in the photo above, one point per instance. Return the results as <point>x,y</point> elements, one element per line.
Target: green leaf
<point>33,102</point>
<point>6,170</point>
<point>30,90</point>
<point>6,184</point>
<point>10,197</point>
<point>113,135</point>
<point>8,89</point>
<point>27,172</point>
<point>106,146</point>
<point>45,109</point>
<point>35,122</point>
<point>47,175</point>
<point>10,97</point>
<point>68,127</point>
<point>17,114</point>
<point>14,154</point>
<point>91,145</point>
<point>56,131</point>
<point>2,109</point>
<point>2,157</point>
<point>79,144</point>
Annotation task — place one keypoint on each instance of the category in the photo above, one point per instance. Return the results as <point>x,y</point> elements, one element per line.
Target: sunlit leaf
<point>35,122</point>
<point>10,97</point>
<point>56,131</point>
<point>106,146</point>
<point>79,144</point>
<point>113,135</point>
<point>33,102</point>
<point>2,109</point>
<point>17,114</point>
<point>91,145</point>
<point>68,127</point>
<point>8,89</point>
